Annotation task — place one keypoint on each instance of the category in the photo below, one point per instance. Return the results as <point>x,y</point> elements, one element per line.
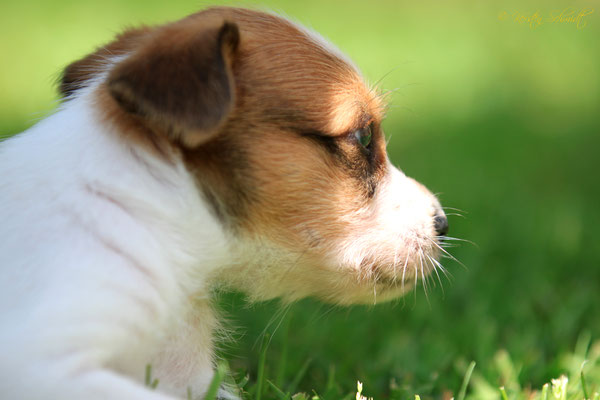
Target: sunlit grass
<point>570,385</point>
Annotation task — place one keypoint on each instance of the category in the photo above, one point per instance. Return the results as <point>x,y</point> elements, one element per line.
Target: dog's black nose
<point>440,223</point>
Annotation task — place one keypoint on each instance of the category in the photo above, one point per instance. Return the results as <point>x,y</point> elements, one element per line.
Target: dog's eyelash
<point>329,142</point>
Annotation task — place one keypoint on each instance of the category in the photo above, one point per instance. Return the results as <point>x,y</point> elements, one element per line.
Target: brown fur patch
<point>78,74</point>
<point>180,82</point>
<point>263,168</point>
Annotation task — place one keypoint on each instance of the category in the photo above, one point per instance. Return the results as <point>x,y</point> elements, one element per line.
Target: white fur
<point>102,245</point>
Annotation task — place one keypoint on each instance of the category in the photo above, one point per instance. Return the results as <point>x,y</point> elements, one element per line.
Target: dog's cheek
<point>302,199</point>
<point>224,177</point>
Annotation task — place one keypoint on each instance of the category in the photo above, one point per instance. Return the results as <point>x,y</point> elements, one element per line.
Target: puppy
<point>231,149</point>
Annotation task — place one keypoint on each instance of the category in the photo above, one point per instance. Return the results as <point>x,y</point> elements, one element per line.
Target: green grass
<point>570,385</point>
<point>578,366</point>
<point>500,120</point>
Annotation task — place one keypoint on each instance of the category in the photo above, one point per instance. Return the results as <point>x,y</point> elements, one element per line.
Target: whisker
<point>420,271</point>
<point>404,269</point>
<point>455,215</point>
<point>330,309</point>
<point>446,273</point>
<point>423,278</point>
<point>287,308</point>
<point>455,209</point>
<point>435,269</point>
<point>279,314</point>
<point>450,245</point>
<point>391,91</point>
<point>282,312</point>
<point>401,107</point>
<point>374,292</point>
<point>396,68</point>
<point>375,277</point>
<point>436,244</point>
<point>387,140</point>
<point>422,268</point>
<point>457,239</point>
<point>416,279</point>
<point>450,238</point>
<point>292,265</point>
<point>395,261</point>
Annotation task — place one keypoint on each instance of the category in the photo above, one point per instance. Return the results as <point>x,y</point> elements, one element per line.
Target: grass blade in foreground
<point>466,380</point>
<point>213,389</point>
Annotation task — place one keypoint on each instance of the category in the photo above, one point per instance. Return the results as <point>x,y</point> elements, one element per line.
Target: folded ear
<point>80,73</point>
<point>180,81</point>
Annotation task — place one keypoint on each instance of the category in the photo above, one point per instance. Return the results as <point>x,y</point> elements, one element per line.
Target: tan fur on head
<point>264,116</point>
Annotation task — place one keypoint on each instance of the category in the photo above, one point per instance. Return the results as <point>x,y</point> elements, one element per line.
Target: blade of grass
<point>215,383</point>
<point>465,383</point>
<point>545,392</point>
<point>583,344</point>
<point>299,376</point>
<point>284,353</point>
<point>503,393</point>
<point>278,392</point>
<point>243,382</point>
<point>509,371</point>
<point>261,367</point>
<point>584,386</point>
<point>148,378</point>
<point>330,379</point>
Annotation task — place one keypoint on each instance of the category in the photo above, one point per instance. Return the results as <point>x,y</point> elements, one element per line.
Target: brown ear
<point>78,74</point>
<point>181,81</point>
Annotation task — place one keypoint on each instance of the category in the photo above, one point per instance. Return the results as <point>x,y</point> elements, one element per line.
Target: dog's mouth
<point>405,273</point>
<point>396,277</point>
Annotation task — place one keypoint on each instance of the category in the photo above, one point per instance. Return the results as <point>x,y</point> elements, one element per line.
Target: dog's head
<point>285,142</point>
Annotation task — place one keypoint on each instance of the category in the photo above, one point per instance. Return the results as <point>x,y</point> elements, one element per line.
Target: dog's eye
<point>364,136</point>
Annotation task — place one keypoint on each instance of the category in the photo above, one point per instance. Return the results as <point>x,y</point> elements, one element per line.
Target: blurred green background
<point>500,119</point>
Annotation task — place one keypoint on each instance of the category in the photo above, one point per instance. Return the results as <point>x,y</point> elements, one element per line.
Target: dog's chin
<point>369,295</point>
<point>379,290</point>
<point>381,281</point>
<point>268,271</point>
